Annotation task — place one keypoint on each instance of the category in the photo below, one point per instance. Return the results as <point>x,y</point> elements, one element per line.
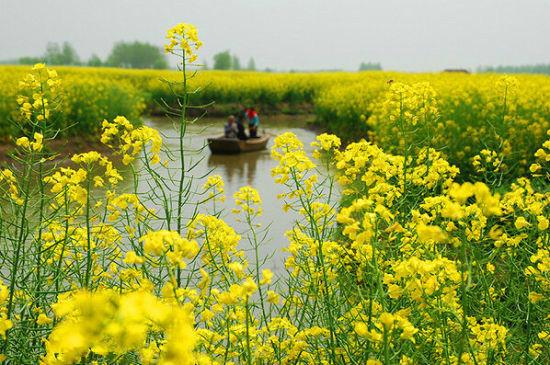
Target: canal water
<point>253,168</point>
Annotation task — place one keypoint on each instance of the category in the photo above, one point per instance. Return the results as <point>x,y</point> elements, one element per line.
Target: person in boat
<point>253,122</point>
<point>241,117</point>
<point>230,129</point>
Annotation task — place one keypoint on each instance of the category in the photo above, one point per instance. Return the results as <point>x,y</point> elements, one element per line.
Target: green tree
<point>95,61</point>
<point>61,55</point>
<point>70,57</point>
<point>222,60</point>
<point>370,66</point>
<point>136,55</point>
<point>235,63</point>
<point>527,69</point>
<point>251,66</point>
<point>53,54</point>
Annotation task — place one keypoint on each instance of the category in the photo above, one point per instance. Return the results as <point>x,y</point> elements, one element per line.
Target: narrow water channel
<point>253,169</point>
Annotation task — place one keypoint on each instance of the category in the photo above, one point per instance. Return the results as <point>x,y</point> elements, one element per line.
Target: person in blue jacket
<point>253,122</point>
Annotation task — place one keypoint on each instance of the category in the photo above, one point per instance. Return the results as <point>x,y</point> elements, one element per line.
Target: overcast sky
<point>412,35</point>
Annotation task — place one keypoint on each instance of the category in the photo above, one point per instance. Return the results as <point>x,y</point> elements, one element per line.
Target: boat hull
<point>230,146</point>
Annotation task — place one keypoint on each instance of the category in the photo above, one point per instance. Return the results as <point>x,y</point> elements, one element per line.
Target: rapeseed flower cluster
<point>542,165</point>
<point>248,200</point>
<point>183,37</point>
<point>9,186</point>
<point>40,85</point>
<point>35,145</point>
<point>108,323</point>
<point>131,141</point>
<point>214,185</point>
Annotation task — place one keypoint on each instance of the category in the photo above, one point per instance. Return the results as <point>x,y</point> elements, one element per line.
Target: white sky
<point>412,35</point>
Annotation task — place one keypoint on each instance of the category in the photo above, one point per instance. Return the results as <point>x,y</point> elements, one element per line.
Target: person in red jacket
<point>253,122</point>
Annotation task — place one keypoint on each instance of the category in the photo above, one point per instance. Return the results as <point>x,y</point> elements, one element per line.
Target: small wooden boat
<point>227,146</point>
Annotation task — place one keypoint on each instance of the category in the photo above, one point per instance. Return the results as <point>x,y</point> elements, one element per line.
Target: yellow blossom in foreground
<point>35,145</point>
<point>169,243</point>
<point>108,322</point>
<point>43,319</point>
<point>521,222</point>
<point>267,276</point>
<point>132,258</point>
<point>216,185</point>
<point>325,143</point>
<point>131,141</point>
<point>23,142</point>
<point>430,234</point>
<point>248,200</point>
<point>5,323</point>
<point>184,37</point>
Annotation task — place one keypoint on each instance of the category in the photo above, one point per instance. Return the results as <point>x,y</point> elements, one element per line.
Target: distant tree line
<point>124,54</point>
<point>144,55</point>
<point>370,66</point>
<point>55,55</point>
<point>226,61</point>
<point>527,69</point>
<point>127,55</point>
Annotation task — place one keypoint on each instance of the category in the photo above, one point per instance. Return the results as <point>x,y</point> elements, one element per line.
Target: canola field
<point>497,119</point>
<point>418,262</point>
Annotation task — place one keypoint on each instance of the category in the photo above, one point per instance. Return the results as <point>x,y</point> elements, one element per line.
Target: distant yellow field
<point>505,115</point>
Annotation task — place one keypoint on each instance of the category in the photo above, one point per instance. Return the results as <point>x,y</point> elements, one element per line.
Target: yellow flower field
<point>505,118</point>
<point>459,114</point>
<point>411,265</point>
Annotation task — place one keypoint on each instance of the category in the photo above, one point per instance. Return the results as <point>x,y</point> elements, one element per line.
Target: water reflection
<point>239,168</point>
<point>253,168</point>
